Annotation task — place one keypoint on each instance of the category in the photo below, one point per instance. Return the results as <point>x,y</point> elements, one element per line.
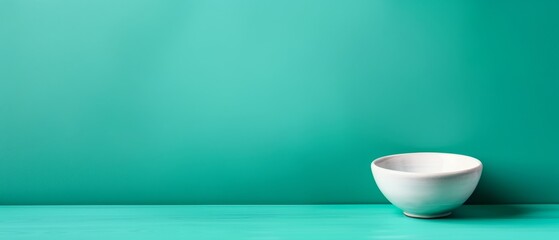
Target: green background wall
<point>241,102</point>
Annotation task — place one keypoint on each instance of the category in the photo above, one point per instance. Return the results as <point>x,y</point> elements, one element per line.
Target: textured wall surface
<point>238,101</point>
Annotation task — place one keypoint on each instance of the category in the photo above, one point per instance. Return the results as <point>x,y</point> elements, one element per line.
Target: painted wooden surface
<point>274,222</point>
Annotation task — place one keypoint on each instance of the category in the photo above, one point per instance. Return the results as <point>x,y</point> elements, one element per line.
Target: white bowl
<point>427,185</point>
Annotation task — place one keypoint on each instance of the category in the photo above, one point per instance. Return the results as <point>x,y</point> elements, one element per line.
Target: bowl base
<point>427,216</point>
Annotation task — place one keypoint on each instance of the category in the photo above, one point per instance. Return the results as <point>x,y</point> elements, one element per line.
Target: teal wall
<point>238,101</point>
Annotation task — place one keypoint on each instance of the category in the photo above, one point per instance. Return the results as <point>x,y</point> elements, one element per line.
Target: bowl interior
<point>427,162</point>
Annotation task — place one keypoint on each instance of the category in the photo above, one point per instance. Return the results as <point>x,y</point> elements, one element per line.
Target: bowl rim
<point>479,165</point>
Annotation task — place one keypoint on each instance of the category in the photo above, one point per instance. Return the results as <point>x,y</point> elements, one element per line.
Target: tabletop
<point>379,221</point>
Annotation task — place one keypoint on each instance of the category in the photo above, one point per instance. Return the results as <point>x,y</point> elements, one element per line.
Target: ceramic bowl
<point>427,185</point>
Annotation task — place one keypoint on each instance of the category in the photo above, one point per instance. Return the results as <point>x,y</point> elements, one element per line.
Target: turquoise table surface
<point>274,222</point>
